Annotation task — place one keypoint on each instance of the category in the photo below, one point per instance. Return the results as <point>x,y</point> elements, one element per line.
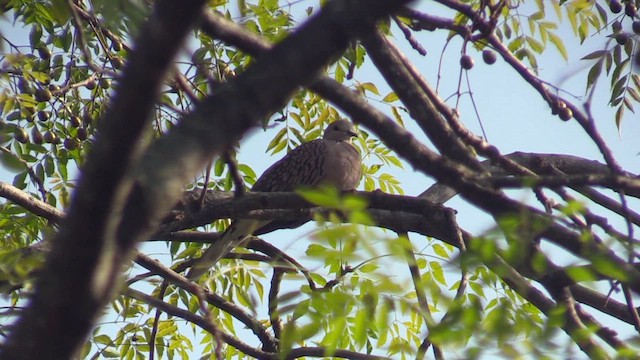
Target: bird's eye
<point>335,127</point>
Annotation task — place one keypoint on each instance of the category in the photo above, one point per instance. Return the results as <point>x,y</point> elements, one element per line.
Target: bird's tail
<point>235,234</point>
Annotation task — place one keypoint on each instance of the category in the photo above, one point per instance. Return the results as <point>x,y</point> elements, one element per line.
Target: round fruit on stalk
<point>75,121</point>
<point>50,137</point>
<point>21,135</point>
<point>466,62</point>
<point>105,83</point>
<point>91,84</point>
<point>43,95</point>
<point>622,38</point>
<point>615,6</point>
<point>71,143</point>
<point>565,114</point>
<point>82,134</point>
<point>630,9</point>
<point>616,26</point>
<point>43,115</point>
<point>117,63</point>
<point>489,57</point>
<point>36,136</point>
<point>44,53</point>
<point>116,45</point>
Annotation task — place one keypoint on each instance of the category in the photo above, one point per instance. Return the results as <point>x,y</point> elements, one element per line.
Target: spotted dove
<point>332,161</point>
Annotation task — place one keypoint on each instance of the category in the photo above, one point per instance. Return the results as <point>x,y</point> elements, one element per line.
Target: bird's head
<point>341,130</point>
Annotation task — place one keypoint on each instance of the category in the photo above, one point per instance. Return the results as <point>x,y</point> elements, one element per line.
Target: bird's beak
<point>352,133</point>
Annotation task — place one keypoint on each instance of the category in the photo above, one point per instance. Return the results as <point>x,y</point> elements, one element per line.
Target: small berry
<point>21,135</point>
<point>43,115</point>
<point>615,6</point>
<point>117,63</point>
<point>565,114</point>
<point>71,144</point>
<point>116,45</point>
<point>466,62</point>
<point>489,57</point>
<point>24,86</point>
<point>105,83</point>
<point>91,84</point>
<point>36,136</point>
<point>616,26</point>
<point>75,121</point>
<point>630,9</point>
<point>44,53</point>
<point>50,137</point>
<point>82,134</point>
<point>87,119</point>
<point>622,38</point>
<point>43,95</point>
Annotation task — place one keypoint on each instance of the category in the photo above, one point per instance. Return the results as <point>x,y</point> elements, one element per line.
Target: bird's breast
<point>342,167</point>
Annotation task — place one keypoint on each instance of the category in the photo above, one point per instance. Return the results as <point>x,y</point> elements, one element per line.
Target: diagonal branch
<point>200,321</point>
<point>117,205</point>
<point>82,266</point>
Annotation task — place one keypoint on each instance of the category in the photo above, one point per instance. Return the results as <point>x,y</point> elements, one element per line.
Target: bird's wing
<point>318,161</point>
<point>301,166</point>
<point>235,234</point>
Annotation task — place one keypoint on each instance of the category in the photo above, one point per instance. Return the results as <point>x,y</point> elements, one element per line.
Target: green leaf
<point>315,250</point>
<point>535,44</point>
<point>538,15</point>
<point>437,272</point>
<point>327,197</point>
<point>633,92</point>
<point>477,288</point>
<point>11,162</point>
<point>440,251</point>
<point>618,88</point>
<point>368,268</point>
<point>516,43</point>
<point>557,42</point>
<point>619,115</point>
<point>390,97</point>
<point>397,116</point>
<point>218,167</point>
<point>594,73</point>
<point>247,171</point>
<point>103,339</point>
<point>34,35</point>
<point>595,55</point>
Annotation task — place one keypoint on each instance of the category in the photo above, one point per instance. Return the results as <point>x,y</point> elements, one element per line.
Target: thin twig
<point>156,322</point>
<point>238,182</point>
<point>409,36</point>
<point>420,294</point>
<point>274,314</point>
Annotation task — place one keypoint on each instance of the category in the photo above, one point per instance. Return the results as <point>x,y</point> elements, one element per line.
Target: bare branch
<point>30,203</point>
<point>201,322</point>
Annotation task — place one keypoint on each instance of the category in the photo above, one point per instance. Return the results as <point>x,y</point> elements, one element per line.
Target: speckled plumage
<point>332,160</point>
<point>309,165</point>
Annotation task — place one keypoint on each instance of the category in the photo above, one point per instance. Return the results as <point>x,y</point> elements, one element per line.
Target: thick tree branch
<point>30,203</point>
<point>390,219</point>
<point>444,170</point>
<point>81,269</point>
<point>97,212</point>
<point>573,325</point>
<point>389,62</point>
